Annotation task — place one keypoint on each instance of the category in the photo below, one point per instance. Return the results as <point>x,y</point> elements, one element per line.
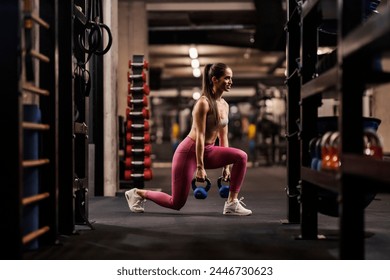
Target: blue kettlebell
<point>201,192</point>
<point>223,189</point>
<point>313,153</point>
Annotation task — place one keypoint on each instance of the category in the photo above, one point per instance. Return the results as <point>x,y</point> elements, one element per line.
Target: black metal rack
<point>36,72</point>
<point>29,216</point>
<point>358,39</point>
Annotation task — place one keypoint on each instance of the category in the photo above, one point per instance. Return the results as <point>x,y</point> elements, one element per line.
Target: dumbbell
<point>145,89</point>
<point>131,138</point>
<point>144,64</point>
<point>137,126</point>
<point>131,101</point>
<point>223,188</point>
<point>144,113</point>
<point>199,191</point>
<point>147,175</point>
<point>147,150</point>
<point>130,162</point>
<point>131,77</point>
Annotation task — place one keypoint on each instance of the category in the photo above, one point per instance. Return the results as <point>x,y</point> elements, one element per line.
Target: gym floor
<point>199,231</point>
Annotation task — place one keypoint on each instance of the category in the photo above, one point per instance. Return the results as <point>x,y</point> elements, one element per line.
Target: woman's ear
<point>214,79</point>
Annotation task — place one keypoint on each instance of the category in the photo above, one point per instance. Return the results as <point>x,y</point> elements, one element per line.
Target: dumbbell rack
<point>137,161</point>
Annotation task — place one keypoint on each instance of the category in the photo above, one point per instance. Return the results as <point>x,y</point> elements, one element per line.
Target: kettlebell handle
<point>220,179</point>
<point>207,187</point>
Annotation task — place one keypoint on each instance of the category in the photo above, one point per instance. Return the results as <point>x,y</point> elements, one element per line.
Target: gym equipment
<point>132,102</point>
<point>144,89</point>
<point>372,144</point>
<point>144,113</point>
<point>334,141</point>
<point>318,153</point>
<point>146,150</point>
<point>199,191</point>
<point>326,151</point>
<point>29,65</point>
<point>223,189</point>
<point>313,153</point>
<point>31,181</point>
<point>328,200</point>
<point>137,126</point>
<point>144,64</point>
<point>130,162</point>
<point>137,139</point>
<point>131,77</point>
<point>93,26</point>
<point>131,138</point>
<point>146,175</point>
<point>328,123</point>
<point>370,7</point>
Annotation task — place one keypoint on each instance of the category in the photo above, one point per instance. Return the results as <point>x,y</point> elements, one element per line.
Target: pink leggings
<point>184,166</point>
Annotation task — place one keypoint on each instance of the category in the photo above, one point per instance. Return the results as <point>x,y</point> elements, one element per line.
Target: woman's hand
<point>200,175</point>
<point>226,173</point>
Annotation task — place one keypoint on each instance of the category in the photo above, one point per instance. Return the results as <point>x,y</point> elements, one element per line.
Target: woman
<point>197,151</point>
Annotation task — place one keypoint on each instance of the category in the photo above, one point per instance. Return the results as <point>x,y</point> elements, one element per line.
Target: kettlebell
<point>313,154</point>
<point>223,189</point>
<point>199,191</point>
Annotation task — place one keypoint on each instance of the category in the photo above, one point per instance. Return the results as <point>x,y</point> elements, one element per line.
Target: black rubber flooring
<point>200,231</point>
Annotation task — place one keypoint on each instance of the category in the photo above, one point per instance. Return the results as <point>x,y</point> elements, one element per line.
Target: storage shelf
<point>367,167</point>
<point>374,34</point>
<point>322,83</point>
<point>326,180</point>
<point>31,81</point>
<point>360,42</point>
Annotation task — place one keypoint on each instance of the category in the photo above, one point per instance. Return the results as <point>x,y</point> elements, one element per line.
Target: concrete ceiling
<point>248,35</point>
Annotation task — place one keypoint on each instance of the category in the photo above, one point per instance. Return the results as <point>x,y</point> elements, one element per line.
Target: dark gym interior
<point>98,94</point>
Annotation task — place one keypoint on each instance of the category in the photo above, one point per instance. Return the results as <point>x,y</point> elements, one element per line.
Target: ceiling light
<point>193,52</point>
<point>196,72</point>
<point>195,63</point>
<point>196,95</point>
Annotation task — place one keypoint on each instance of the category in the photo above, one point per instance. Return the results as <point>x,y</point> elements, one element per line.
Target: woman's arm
<point>224,140</point>
<point>200,115</point>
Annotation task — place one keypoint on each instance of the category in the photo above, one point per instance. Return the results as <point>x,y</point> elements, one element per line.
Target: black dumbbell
<point>199,191</point>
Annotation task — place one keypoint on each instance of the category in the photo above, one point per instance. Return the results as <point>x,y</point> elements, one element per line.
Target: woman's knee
<point>178,205</point>
<point>243,156</point>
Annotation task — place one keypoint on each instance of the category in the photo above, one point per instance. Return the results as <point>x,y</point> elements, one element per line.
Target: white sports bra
<point>223,122</point>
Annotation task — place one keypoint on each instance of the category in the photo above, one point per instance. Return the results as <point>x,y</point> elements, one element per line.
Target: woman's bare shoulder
<point>202,104</point>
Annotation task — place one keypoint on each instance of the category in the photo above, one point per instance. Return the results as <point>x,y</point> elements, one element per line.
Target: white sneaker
<point>135,201</point>
<point>235,208</point>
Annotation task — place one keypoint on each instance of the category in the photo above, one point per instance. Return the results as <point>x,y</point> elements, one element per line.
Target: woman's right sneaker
<point>135,201</point>
<point>235,208</point>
